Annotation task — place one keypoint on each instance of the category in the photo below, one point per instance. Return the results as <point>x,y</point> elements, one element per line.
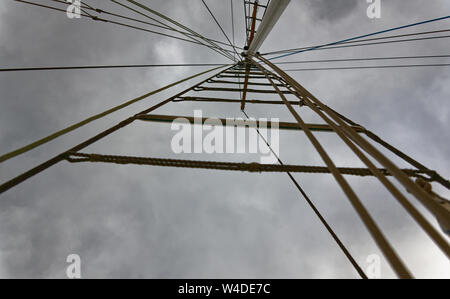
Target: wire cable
<point>90,119</point>
<point>177,24</point>
<point>380,43</point>
<point>192,34</point>
<point>365,59</point>
<point>101,11</point>
<point>95,18</point>
<point>361,40</point>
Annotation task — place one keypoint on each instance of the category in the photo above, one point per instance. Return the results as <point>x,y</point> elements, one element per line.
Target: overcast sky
<point>154,222</point>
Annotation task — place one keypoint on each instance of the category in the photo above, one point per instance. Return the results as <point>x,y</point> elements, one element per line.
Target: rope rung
<point>232,166</point>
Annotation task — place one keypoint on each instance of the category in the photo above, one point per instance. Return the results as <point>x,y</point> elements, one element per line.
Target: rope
<point>101,11</point>
<point>105,67</point>
<point>95,18</point>
<point>253,24</point>
<point>234,83</point>
<point>62,156</point>
<point>232,21</point>
<point>163,26</point>
<point>381,43</point>
<point>202,88</point>
<point>57,134</point>
<point>434,176</point>
<point>316,211</point>
<point>246,21</point>
<point>177,24</point>
<point>365,59</point>
<point>375,231</point>
<point>220,100</point>
<point>352,138</point>
<point>189,35</point>
<point>365,35</point>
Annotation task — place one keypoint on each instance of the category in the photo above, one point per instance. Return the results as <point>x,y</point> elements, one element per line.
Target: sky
<point>157,222</point>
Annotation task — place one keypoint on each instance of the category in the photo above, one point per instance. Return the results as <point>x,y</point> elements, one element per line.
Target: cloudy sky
<point>153,222</point>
